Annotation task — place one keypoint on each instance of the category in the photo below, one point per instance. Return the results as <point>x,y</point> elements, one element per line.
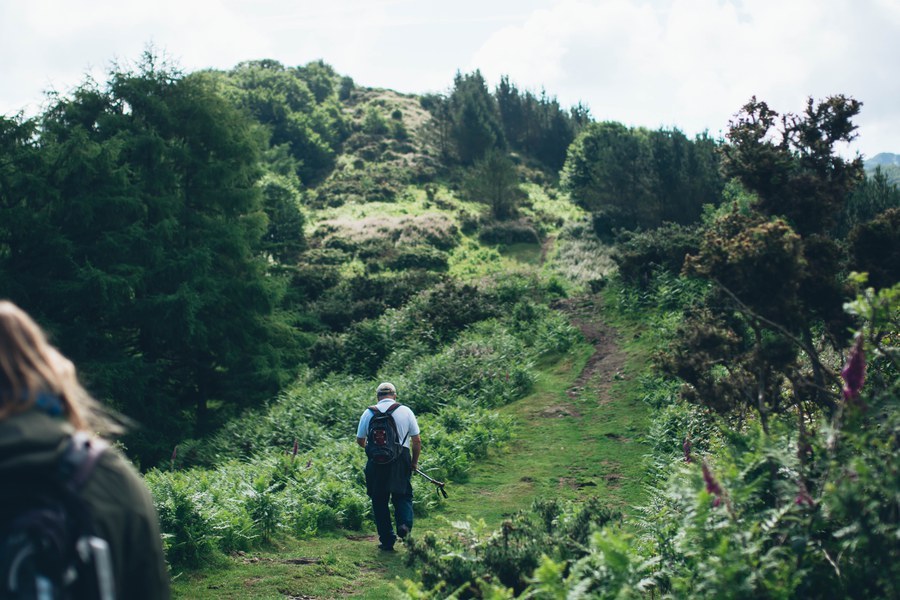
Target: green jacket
<point>120,503</point>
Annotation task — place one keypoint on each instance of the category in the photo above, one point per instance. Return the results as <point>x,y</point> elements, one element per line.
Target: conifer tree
<point>475,121</point>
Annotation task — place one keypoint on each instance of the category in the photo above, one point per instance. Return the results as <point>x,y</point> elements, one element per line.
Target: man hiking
<point>388,431</point>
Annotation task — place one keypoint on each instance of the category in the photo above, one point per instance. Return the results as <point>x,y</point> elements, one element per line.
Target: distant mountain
<point>882,159</point>
<point>889,164</point>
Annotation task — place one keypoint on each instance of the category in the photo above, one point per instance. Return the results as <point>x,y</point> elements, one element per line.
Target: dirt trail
<point>607,362</point>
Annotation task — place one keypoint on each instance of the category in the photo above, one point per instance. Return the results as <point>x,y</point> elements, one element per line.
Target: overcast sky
<point>689,64</point>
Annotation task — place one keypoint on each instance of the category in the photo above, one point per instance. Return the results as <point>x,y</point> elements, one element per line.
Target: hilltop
<point>629,348</point>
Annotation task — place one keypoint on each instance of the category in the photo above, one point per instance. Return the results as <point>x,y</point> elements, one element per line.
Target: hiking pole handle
<point>439,484</point>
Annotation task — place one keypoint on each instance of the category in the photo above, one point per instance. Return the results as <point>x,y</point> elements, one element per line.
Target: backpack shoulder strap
<point>393,407</point>
<point>80,458</point>
<point>374,409</point>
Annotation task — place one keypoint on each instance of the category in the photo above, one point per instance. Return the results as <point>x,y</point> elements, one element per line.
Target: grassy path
<point>578,434</point>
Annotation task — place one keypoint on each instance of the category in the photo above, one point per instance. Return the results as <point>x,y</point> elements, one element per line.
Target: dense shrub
<point>875,248</point>
<point>417,257</point>
<point>509,232</point>
<point>470,561</point>
<point>482,370</point>
<point>369,296</point>
<point>441,312</point>
<point>637,254</point>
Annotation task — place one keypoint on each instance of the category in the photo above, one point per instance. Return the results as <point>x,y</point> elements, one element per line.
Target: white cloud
<point>685,63</point>
<point>693,63</point>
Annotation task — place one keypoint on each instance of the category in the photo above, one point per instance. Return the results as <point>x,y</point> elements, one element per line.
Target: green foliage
<point>638,254</point>
<point>474,119</point>
<point>474,563</point>
<point>874,195</point>
<point>320,78</point>
<point>484,370</point>
<point>139,241</point>
<point>507,233</point>
<point>374,122</point>
<point>635,178</point>
<point>789,161</point>
<point>493,181</point>
<point>417,257</point>
<point>297,106</point>
<point>284,237</point>
<point>776,273</point>
<point>875,248</point>
<point>536,125</point>
<point>189,535</point>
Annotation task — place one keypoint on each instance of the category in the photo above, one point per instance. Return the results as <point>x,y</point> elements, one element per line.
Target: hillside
<point>882,159</point>
<point>888,164</point>
<point>645,365</point>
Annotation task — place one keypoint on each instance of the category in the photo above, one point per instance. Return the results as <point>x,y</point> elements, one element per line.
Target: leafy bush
<point>471,561</point>
<point>484,370</point>
<point>298,472</point>
<point>189,535</point>
<point>417,257</point>
<point>509,232</point>
<point>639,254</point>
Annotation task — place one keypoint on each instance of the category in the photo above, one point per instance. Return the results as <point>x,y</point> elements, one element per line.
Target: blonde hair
<point>30,365</point>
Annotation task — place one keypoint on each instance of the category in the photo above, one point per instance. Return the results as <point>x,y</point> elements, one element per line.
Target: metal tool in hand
<point>439,484</point>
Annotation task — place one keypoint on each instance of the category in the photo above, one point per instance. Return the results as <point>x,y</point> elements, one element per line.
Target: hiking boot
<point>403,531</point>
<point>385,548</point>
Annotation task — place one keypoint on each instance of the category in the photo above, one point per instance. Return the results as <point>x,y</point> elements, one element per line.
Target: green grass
<point>595,450</point>
<point>332,566</point>
<point>529,254</point>
<point>564,447</point>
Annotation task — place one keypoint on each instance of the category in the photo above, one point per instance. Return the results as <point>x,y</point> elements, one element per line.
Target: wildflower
<point>174,456</point>
<point>854,372</point>
<point>687,449</point>
<point>803,496</point>
<point>712,486</point>
<point>296,447</point>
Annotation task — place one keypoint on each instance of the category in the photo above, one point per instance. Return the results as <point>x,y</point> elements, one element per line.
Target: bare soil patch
<point>607,363</point>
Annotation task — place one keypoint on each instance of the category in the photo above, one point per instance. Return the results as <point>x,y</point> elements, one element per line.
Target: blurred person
<point>46,418</point>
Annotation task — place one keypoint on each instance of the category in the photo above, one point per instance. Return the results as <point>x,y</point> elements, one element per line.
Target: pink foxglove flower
<point>687,449</point>
<point>854,372</point>
<point>296,447</point>
<point>712,486</point>
<point>174,456</point>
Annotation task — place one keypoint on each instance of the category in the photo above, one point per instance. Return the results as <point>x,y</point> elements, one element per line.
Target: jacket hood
<point>32,441</point>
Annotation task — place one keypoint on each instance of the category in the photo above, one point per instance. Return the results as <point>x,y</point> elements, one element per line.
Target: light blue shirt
<point>407,426</point>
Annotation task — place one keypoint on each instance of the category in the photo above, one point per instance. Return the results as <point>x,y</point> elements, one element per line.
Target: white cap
<point>386,388</point>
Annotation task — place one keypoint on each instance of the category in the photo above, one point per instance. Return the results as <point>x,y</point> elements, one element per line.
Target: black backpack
<point>383,443</point>
<point>48,549</point>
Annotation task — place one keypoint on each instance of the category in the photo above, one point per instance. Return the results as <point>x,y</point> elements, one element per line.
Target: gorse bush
<point>664,247</point>
<point>734,510</point>
<point>474,563</point>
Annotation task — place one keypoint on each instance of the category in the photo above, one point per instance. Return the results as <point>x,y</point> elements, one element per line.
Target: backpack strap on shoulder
<point>374,409</point>
<point>80,458</point>
<point>392,408</point>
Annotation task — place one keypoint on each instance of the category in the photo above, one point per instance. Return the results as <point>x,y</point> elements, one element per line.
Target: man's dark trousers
<point>388,484</point>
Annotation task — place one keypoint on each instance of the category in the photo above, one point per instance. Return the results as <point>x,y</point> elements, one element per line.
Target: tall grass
<point>292,468</point>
